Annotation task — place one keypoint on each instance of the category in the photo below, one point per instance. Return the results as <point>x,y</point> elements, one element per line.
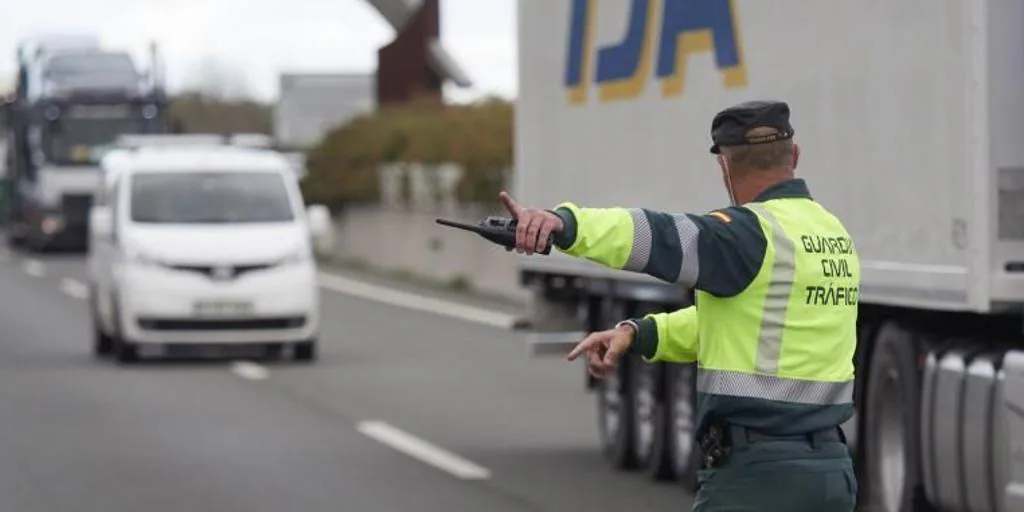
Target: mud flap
<point>1012,403</point>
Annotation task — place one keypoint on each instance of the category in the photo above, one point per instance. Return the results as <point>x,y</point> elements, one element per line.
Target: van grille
<point>247,324</point>
<point>222,272</point>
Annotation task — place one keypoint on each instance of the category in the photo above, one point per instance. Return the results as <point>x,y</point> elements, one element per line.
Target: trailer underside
<point>939,396</point>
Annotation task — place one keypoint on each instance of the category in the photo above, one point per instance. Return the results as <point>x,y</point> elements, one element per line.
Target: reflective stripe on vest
<point>770,387</point>
<point>773,290</point>
<point>773,319</point>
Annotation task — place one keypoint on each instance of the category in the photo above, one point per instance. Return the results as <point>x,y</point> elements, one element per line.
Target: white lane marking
<point>418,302</point>
<point>34,268</point>
<point>422,450</point>
<point>74,288</point>
<point>248,370</point>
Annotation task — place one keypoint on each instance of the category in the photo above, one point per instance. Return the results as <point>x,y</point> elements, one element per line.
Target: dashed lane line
<point>416,302</point>
<point>34,268</point>
<point>74,288</point>
<point>423,451</point>
<point>249,370</point>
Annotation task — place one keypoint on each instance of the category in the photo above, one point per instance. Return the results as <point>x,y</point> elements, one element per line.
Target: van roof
<point>194,159</point>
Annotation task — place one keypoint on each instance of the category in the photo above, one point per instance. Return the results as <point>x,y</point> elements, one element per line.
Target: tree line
<point>199,112</point>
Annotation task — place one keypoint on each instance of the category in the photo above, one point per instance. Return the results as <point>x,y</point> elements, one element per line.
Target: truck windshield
<point>83,139</point>
<point>210,198</point>
<point>111,65</point>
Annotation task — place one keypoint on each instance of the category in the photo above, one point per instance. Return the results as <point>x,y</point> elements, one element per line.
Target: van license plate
<point>220,308</point>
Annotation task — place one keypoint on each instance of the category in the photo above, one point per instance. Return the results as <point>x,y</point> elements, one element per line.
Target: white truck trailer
<point>910,115</point>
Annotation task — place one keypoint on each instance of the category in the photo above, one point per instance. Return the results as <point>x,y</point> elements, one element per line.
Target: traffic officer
<point>773,328</point>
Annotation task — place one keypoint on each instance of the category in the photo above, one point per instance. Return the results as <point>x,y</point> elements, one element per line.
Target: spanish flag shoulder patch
<point>722,216</point>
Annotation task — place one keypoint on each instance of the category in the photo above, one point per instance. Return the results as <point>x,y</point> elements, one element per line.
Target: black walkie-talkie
<point>499,230</point>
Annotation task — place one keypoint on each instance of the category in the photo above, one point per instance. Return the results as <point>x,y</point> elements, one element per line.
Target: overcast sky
<point>254,40</point>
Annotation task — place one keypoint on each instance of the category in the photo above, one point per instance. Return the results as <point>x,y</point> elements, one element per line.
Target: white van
<point>202,244</point>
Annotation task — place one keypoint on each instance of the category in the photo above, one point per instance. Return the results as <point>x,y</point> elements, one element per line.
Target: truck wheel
<point>15,240</point>
<point>681,443</point>
<point>36,242</point>
<point>650,426</point>
<point>892,463</point>
<point>615,413</point>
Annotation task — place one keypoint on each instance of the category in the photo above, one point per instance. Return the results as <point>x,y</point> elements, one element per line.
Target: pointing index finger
<point>581,347</point>
<point>510,204</point>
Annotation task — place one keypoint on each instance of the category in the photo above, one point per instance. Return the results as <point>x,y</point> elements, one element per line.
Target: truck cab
<point>90,71</point>
<point>73,99</point>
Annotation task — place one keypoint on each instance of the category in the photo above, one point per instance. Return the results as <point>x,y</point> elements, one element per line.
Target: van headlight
<point>141,259</point>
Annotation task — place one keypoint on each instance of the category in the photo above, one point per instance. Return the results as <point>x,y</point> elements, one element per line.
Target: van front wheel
<point>306,350</point>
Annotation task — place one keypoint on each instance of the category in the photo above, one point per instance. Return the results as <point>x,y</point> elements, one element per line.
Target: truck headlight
<point>51,224</point>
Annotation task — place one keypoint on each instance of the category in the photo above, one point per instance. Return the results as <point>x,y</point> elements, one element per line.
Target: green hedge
<point>342,169</point>
<point>193,112</point>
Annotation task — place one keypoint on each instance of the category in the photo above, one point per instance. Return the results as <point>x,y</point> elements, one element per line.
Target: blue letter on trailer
<point>693,26</point>
<point>622,69</point>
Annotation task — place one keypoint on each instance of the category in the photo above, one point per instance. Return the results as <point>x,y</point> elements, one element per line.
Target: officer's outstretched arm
<point>720,252</point>
<point>669,337</point>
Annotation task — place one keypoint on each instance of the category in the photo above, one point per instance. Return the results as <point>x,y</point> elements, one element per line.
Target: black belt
<point>825,435</point>
<point>716,445</point>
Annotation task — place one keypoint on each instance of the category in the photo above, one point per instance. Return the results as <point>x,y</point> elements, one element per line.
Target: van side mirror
<point>321,228</point>
<point>101,223</point>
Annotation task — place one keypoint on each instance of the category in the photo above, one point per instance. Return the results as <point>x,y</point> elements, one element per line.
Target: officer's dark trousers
<point>780,476</point>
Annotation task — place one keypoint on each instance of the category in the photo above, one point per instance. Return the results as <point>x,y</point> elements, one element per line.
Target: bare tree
<point>219,81</point>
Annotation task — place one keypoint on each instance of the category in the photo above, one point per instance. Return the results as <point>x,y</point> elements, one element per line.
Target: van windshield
<point>210,198</point>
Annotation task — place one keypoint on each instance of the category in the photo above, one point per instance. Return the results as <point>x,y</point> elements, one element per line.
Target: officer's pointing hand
<point>533,226</point>
<point>603,349</point>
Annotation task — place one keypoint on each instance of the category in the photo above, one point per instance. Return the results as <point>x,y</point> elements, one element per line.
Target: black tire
<point>36,242</point>
<point>650,426</point>
<point>306,351</point>
<point>866,332</point>
<point>14,240</point>
<point>680,407</point>
<point>892,424</point>
<point>102,344</point>
<point>125,351</point>
<point>614,418</point>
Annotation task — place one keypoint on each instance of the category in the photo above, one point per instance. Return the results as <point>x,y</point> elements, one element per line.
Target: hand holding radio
<point>528,231</point>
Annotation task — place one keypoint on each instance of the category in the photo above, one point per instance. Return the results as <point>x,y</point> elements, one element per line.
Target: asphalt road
<point>349,433</point>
